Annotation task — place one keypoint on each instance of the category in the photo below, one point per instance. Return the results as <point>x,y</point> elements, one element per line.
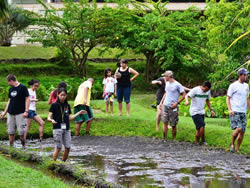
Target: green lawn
<point>15,175</point>
<point>142,123</point>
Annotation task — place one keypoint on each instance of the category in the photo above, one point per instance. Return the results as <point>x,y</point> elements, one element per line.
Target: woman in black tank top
<point>124,84</point>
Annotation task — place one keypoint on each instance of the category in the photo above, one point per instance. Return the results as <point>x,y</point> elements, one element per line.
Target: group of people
<point>21,106</point>
<point>168,98</point>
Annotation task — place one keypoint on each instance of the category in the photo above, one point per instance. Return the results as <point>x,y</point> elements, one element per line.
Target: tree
<point>75,30</point>
<point>3,8</point>
<point>224,22</point>
<point>165,38</point>
<point>14,21</point>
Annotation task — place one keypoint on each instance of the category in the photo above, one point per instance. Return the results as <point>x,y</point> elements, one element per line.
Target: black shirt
<point>17,96</point>
<point>161,90</point>
<point>61,113</point>
<point>124,81</point>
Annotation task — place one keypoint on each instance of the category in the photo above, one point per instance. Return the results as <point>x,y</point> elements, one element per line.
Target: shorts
<point>123,92</point>
<point>16,122</point>
<point>109,97</point>
<point>199,120</point>
<point>170,115</point>
<point>31,114</point>
<point>238,120</point>
<point>62,137</point>
<point>83,117</point>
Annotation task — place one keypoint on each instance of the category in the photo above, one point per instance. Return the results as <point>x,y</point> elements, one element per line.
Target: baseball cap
<point>242,71</point>
<point>168,73</point>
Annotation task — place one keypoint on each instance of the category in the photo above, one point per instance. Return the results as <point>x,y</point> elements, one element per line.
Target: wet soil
<point>136,162</point>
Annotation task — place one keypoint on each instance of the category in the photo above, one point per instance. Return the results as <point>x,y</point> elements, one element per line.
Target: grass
<point>16,175</point>
<point>141,123</point>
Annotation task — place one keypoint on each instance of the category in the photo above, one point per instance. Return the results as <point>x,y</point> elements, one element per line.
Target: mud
<point>136,161</point>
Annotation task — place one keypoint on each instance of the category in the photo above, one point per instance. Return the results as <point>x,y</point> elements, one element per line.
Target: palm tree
<point>3,8</point>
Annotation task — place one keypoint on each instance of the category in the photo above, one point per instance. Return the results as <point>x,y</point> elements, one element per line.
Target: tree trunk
<point>149,65</point>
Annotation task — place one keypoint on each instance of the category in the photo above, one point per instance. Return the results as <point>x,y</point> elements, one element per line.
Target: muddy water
<point>140,162</point>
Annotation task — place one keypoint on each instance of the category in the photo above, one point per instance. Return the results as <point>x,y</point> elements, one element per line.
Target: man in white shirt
<point>170,102</point>
<point>237,95</point>
<point>199,95</point>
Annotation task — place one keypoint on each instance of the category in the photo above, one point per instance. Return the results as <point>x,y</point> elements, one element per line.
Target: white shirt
<point>199,98</point>
<point>32,97</point>
<point>238,93</point>
<point>109,82</point>
<point>173,90</point>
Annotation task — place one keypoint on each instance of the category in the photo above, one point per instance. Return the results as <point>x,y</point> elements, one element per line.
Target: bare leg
<point>88,125</point>
<point>41,123</point>
<point>165,131</point>
<point>128,108</point>
<point>107,108</point>
<point>22,140</point>
<point>174,131</point>
<point>56,153</point>
<point>111,108</point>
<point>202,134</point>
<point>78,127</point>
<point>158,118</point>
<point>11,139</point>
<point>120,108</point>
<point>28,123</point>
<point>239,141</point>
<point>197,136</point>
<point>235,135</point>
<point>66,154</point>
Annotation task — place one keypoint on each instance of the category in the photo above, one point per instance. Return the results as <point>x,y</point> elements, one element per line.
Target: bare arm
<point>104,87</point>
<point>186,88</point>
<point>27,104</point>
<point>85,92</point>
<point>180,100</point>
<point>186,100</point>
<point>229,106</point>
<point>50,118</point>
<point>210,107</point>
<point>6,109</point>
<point>115,89</point>
<point>71,117</point>
<point>133,72</point>
<point>156,82</point>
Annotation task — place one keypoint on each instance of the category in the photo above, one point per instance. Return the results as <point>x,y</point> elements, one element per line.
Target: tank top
<point>124,81</point>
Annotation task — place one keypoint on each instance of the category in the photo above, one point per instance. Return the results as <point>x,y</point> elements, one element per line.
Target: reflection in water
<point>155,169</point>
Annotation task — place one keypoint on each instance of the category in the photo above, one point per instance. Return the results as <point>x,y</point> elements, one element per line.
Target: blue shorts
<point>123,92</point>
<point>31,114</point>
<point>238,120</point>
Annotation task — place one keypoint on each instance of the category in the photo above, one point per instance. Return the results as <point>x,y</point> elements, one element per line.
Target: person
<point>53,94</point>
<point>199,95</point>
<point>124,84</point>
<point>237,106</point>
<point>59,116</point>
<point>170,102</point>
<point>82,102</point>
<point>160,82</point>
<point>17,108</point>
<point>109,90</point>
<point>32,109</point>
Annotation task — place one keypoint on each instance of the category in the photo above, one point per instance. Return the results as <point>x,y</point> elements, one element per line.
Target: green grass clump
<point>15,175</point>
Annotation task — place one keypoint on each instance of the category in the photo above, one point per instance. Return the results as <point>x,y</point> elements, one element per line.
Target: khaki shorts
<point>16,122</point>
<point>170,115</point>
<point>62,137</point>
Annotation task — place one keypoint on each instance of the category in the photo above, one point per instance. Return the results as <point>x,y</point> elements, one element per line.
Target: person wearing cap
<point>237,106</point>
<point>124,84</point>
<point>170,102</point>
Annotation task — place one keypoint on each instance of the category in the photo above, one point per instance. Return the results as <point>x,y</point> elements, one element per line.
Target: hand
<point>2,115</point>
<point>231,113</point>
<point>174,105</point>
<point>53,121</point>
<point>212,113</point>
<point>103,95</point>
<point>115,94</point>
<point>25,114</point>
<point>131,80</point>
<point>82,112</point>
<point>159,82</point>
<point>36,100</point>
<point>186,103</point>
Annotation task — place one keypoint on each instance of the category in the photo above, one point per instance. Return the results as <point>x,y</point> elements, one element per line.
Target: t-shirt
<point>173,90</point>
<point>61,114</point>
<point>199,98</point>
<point>53,99</point>
<point>110,84</point>
<point>238,93</point>
<point>161,90</point>
<point>80,93</point>
<point>17,96</point>
<point>32,97</point>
